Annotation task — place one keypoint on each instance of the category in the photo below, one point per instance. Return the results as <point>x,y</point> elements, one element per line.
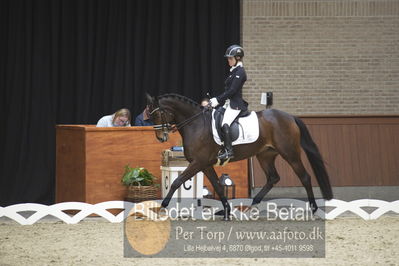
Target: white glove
<point>214,102</point>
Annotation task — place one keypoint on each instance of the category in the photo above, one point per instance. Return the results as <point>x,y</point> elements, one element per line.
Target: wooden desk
<point>90,161</point>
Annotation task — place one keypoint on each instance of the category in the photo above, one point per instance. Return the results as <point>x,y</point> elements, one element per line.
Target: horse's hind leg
<point>288,145</point>
<point>213,178</point>
<point>303,175</point>
<point>266,160</point>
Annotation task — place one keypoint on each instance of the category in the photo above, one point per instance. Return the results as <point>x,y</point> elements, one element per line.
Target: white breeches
<point>230,115</point>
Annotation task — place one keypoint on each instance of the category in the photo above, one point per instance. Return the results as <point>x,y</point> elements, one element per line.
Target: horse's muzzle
<point>164,138</point>
<point>165,131</point>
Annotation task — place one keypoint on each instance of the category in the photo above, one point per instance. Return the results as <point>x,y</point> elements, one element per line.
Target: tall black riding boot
<point>228,148</point>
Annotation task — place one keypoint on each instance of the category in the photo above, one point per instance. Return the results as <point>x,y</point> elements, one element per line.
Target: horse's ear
<point>150,100</point>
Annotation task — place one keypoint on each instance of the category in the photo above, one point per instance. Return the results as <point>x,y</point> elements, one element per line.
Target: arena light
<point>229,188</point>
<point>206,193</point>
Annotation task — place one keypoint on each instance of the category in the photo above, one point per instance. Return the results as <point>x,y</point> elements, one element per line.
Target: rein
<point>174,128</point>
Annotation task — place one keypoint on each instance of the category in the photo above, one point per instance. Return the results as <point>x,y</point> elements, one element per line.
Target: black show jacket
<point>233,89</point>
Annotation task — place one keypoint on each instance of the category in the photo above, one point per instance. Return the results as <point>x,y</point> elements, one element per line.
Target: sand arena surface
<point>349,241</point>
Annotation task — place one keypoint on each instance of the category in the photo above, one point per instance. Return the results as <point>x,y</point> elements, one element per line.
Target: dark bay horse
<point>279,134</point>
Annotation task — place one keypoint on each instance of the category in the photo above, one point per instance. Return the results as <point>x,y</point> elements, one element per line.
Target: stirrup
<point>225,155</point>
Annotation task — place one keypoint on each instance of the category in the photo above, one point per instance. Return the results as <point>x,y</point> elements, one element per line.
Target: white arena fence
<point>101,209</point>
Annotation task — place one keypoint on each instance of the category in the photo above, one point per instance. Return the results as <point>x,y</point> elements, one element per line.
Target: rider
<point>232,96</point>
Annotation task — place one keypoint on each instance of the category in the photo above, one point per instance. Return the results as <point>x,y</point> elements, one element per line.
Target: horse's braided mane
<point>179,97</point>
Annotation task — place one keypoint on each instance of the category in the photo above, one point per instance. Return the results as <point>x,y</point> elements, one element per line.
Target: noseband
<point>165,126</point>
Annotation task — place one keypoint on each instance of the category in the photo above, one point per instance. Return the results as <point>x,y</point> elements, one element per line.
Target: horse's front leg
<point>192,169</point>
<point>213,178</point>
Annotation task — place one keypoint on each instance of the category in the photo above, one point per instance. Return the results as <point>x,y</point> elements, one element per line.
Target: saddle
<point>234,127</point>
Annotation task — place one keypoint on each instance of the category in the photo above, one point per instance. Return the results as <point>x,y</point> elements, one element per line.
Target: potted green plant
<point>141,184</point>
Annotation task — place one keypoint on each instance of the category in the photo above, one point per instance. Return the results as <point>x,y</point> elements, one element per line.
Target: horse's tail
<point>315,159</point>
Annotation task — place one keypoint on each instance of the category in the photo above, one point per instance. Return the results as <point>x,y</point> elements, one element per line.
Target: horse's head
<point>161,117</point>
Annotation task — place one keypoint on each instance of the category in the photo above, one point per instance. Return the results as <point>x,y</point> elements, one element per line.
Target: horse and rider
<point>279,133</point>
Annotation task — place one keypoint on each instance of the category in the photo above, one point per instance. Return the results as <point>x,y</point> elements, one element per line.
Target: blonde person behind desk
<point>120,118</point>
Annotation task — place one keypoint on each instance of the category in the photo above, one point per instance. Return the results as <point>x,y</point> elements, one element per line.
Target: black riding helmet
<point>234,51</point>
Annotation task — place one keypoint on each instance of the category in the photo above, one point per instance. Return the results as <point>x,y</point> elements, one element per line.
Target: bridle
<point>167,127</point>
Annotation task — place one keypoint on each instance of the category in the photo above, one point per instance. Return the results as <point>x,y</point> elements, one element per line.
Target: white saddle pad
<point>248,130</point>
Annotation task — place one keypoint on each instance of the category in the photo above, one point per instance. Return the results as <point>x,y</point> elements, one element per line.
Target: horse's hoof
<point>156,209</point>
<point>314,208</point>
<point>226,218</point>
<point>220,213</point>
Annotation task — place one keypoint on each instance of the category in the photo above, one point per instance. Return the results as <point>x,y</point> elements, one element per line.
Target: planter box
<point>141,193</point>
